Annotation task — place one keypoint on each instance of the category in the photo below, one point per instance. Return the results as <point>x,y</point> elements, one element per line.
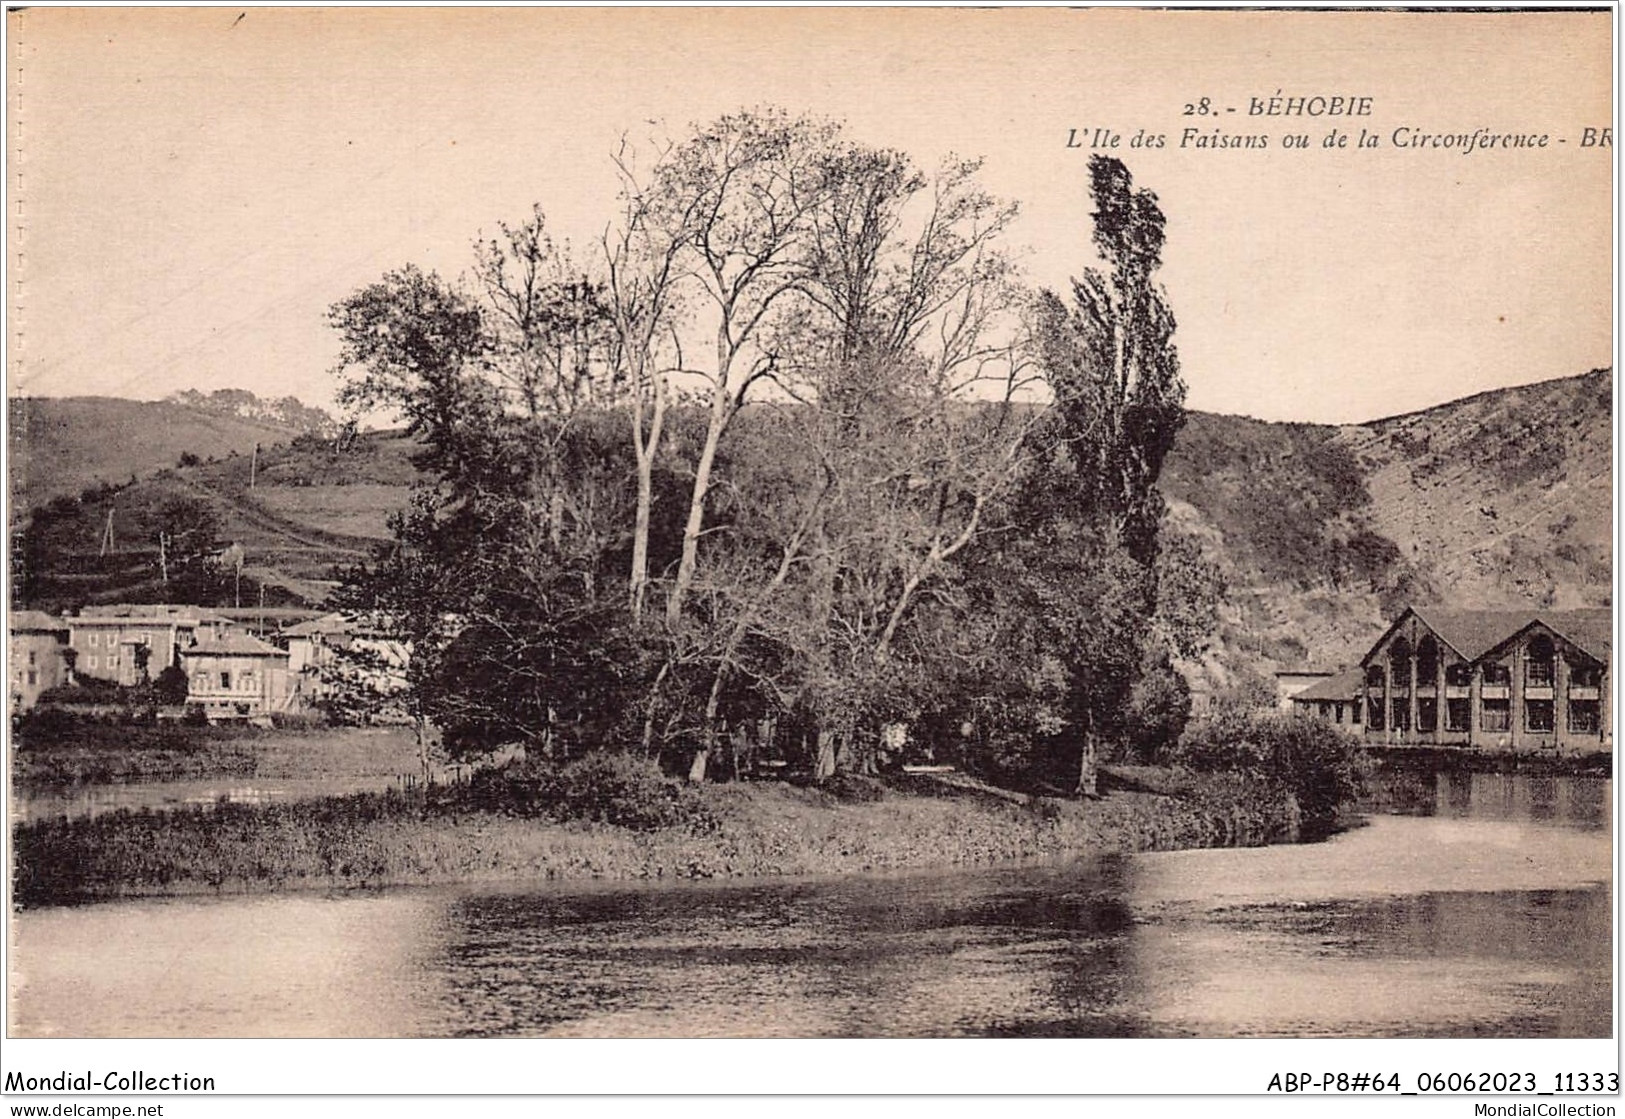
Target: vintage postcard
<point>678,526</point>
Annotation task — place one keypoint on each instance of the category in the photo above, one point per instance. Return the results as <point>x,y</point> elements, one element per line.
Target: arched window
<point>1375,698</point>
<point>1399,684</point>
<point>1427,682</point>
<point>1539,662</point>
<point>1427,661</point>
<point>1399,665</point>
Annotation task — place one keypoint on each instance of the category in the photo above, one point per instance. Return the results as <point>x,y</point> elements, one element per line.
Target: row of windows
<point>112,639</point>
<point>246,681</point>
<point>1539,674</point>
<point>1539,715</point>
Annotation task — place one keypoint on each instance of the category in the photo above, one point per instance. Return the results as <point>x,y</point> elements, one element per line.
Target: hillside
<point>60,446</point>
<point>296,510</point>
<point>1322,533</point>
<point>1504,498</point>
<point>1501,499</point>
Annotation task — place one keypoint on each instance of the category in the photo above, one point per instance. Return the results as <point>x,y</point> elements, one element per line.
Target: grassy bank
<point>752,829</point>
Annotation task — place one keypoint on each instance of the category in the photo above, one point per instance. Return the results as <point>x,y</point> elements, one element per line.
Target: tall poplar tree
<point>1110,360</point>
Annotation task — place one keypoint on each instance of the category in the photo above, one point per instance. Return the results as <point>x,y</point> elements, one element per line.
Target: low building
<point>344,652</point>
<point>124,643</point>
<point>39,659</point>
<point>1335,698</point>
<point>1289,685</point>
<point>1532,680</point>
<point>236,677</point>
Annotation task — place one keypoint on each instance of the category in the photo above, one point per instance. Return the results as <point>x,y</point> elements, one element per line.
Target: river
<point>1484,909</point>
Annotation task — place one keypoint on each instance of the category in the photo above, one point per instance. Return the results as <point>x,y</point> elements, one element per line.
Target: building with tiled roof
<point>1523,680</point>
<point>38,657</point>
<point>1335,697</point>
<point>236,676</point>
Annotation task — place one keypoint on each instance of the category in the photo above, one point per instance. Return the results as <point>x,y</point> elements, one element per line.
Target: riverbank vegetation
<point>1318,767</point>
<point>499,832</point>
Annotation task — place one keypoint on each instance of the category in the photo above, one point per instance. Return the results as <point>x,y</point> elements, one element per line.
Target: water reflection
<point>1489,916</point>
<point>1581,802</point>
<point>84,801</point>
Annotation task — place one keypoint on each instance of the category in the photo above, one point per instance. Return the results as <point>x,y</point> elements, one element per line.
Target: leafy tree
<point>733,203</point>
<point>871,481</point>
<point>837,473</point>
<point>186,536</point>
<point>171,686</point>
<point>412,344</point>
<point>1109,358</point>
<point>141,655</point>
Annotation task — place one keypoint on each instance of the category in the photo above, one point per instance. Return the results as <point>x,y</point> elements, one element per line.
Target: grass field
<point>362,509</point>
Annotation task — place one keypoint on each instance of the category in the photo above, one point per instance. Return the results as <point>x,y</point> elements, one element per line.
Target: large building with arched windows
<point>1533,680</point>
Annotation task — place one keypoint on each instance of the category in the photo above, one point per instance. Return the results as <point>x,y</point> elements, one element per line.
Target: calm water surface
<point>82,801</point>
<point>1484,910</point>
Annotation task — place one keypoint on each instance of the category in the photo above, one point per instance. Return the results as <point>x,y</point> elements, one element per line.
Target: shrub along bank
<point>617,818</point>
<point>1300,757</point>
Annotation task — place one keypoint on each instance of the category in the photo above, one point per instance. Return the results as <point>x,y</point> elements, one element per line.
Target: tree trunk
<point>855,756</point>
<point>420,725</point>
<point>654,701</point>
<point>824,766</point>
<point>555,514</point>
<point>696,510</point>
<point>708,732</point>
<point>640,537</point>
<point>713,701</point>
<point>1088,775</point>
<point>645,448</point>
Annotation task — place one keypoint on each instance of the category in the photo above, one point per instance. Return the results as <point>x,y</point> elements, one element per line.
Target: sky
<point>191,189</point>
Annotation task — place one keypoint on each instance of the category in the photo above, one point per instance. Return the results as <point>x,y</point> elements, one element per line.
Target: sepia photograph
<point>810,523</point>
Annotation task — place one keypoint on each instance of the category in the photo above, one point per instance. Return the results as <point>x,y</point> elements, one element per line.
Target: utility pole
<point>107,533</point>
<point>163,557</point>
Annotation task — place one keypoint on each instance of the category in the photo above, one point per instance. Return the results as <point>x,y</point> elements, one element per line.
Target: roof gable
<point>1584,629</point>
<point>1474,634</point>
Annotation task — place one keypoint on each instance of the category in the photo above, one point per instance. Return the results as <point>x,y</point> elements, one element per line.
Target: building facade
<point>339,652</point>
<point>122,644</point>
<point>236,677</point>
<point>38,656</point>
<point>1535,681</point>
